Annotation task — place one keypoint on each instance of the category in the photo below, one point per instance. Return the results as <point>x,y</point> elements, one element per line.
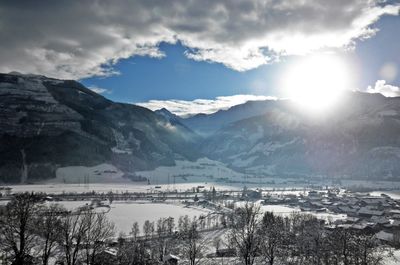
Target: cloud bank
<point>384,89</point>
<point>77,39</point>
<point>187,108</point>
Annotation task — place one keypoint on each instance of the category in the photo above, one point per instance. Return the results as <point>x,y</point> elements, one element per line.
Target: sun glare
<point>316,83</point>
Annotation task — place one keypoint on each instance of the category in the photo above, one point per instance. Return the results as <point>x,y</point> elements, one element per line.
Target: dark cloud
<point>75,39</point>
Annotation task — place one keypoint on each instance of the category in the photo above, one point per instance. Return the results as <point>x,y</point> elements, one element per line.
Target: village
<point>356,210</point>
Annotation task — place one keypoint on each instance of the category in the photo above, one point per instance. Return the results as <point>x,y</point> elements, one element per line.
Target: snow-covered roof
<point>170,256</point>
<point>111,251</point>
<point>368,211</point>
<point>385,236</point>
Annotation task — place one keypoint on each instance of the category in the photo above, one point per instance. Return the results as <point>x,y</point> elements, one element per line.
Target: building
<point>171,260</point>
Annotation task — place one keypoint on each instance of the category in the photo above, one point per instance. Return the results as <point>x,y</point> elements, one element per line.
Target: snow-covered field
<point>286,211</point>
<point>97,174</point>
<point>202,170</point>
<point>123,214</point>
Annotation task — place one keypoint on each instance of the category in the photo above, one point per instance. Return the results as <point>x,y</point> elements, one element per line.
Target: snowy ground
<point>287,210</point>
<point>395,260</point>
<point>123,214</point>
<point>202,170</point>
<point>395,194</point>
<point>98,174</point>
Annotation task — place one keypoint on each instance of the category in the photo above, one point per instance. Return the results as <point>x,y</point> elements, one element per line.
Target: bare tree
<point>135,231</point>
<point>148,229</point>
<point>16,228</point>
<point>98,229</point>
<point>48,226</point>
<point>161,232</point>
<point>244,232</point>
<point>170,225</point>
<point>183,223</point>
<point>273,232</point>
<point>192,245</point>
<point>73,229</point>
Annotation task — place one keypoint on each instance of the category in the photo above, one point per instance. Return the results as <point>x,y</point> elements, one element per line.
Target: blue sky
<point>139,50</point>
<point>175,76</point>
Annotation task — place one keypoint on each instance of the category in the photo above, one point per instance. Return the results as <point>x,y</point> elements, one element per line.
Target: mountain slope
<point>48,123</point>
<point>207,124</point>
<point>360,138</point>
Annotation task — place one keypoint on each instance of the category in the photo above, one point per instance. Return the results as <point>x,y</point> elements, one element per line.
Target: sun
<point>317,82</point>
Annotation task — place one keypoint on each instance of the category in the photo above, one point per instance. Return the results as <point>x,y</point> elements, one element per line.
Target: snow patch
<point>386,150</point>
<point>269,147</point>
<point>202,170</point>
<point>95,174</point>
<point>238,162</point>
<point>119,151</point>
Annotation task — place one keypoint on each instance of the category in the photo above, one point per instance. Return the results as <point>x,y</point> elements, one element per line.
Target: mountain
<point>172,118</point>
<point>47,123</point>
<point>207,124</point>
<point>360,138</point>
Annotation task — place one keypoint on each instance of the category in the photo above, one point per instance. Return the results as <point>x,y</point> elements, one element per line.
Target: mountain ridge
<point>47,123</point>
<point>357,140</point>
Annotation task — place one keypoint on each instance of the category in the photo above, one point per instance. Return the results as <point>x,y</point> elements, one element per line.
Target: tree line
<point>266,238</point>
<point>34,233</point>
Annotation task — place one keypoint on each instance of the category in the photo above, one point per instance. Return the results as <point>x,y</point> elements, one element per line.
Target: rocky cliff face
<point>47,123</point>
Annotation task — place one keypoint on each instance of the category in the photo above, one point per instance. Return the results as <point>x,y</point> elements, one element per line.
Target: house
<point>384,237</point>
<point>226,252</point>
<point>395,212</point>
<point>396,216</point>
<point>368,212</point>
<point>393,224</point>
<point>347,210</point>
<point>350,219</point>
<point>107,256</point>
<point>372,201</point>
<point>313,195</point>
<point>381,220</point>
<point>252,194</point>
<point>171,260</point>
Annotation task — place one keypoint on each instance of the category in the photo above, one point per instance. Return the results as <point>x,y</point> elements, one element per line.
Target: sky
<point>187,55</point>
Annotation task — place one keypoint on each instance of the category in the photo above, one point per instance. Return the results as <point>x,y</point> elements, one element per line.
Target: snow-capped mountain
<point>359,138</point>
<point>47,123</point>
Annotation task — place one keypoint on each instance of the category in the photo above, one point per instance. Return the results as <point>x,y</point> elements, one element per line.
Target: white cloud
<point>99,90</point>
<point>385,89</point>
<point>207,106</point>
<point>76,39</point>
